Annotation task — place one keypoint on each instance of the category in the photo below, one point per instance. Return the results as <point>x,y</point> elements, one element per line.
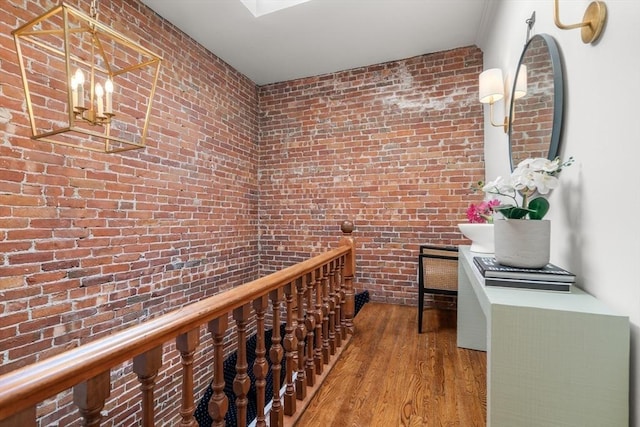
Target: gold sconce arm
<point>592,22</point>
<point>504,125</point>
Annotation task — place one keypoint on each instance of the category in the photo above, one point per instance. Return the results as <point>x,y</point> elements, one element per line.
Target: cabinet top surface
<point>577,300</point>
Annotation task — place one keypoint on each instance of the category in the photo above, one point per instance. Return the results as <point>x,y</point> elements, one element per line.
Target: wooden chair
<point>437,274</point>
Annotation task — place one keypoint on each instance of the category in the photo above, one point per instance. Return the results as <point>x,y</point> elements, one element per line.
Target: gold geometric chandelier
<point>86,85</point>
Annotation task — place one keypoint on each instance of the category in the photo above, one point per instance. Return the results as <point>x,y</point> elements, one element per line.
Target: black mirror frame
<point>558,95</point>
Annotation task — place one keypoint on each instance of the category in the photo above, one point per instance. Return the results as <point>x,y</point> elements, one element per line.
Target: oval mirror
<point>537,102</point>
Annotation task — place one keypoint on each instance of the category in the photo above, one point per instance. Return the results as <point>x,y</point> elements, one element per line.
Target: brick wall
<point>91,243</point>
<point>393,147</point>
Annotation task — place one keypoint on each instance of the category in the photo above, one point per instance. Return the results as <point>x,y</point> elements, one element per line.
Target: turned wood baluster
<point>310,325</point>
<point>348,273</point>
<point>343,299</point>
<point>276,417</point>
<point>317,351</point>
<point>301,334</point>
<point>332,306</point>
<point>260,366</point>
<point>325,314</point>
<point>339,302</point>
<point>186,345</point>
<point>89,396</point>
<point>146,366</point>
<point>290,347</point>
<point>219,403</point>
<point>349,303</point>
<point>242,382</point>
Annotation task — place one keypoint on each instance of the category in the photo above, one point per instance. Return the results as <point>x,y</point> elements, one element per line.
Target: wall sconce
<point>592,22</point>
<point>86,86</point>
<point>492,90</point>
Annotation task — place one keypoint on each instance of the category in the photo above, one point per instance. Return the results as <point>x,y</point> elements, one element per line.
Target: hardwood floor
<point>392,376</point>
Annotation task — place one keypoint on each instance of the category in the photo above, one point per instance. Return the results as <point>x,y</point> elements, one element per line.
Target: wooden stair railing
<point>318,300</point>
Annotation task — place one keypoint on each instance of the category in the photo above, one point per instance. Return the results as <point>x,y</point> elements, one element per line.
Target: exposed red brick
<point>93,243</point>
<point>94,229</point>
<point>393,147</point>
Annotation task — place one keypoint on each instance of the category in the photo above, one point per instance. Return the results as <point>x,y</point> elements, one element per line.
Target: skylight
<point>262,7</point>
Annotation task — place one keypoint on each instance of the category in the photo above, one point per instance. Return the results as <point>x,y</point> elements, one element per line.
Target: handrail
<point>29,385</point>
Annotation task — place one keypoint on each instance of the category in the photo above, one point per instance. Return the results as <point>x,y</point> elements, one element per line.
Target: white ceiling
<point>323,36</point>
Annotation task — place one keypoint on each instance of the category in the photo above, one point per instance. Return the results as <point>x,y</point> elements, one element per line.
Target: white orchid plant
<point>532,179</point>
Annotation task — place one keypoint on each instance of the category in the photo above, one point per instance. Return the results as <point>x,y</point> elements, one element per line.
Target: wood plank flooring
<point>392,376</point>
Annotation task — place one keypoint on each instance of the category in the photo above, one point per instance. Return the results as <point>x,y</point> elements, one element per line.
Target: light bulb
<point>74,91</point>
<point>99,94</point>
<point>108,87</point>
<point>79,77</point>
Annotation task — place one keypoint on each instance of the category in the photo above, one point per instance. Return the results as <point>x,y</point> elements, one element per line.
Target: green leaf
<point>513,212</point>
<point>538,208</point>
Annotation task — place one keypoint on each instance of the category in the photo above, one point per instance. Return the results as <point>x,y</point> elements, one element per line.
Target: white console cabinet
<point>553,359</point>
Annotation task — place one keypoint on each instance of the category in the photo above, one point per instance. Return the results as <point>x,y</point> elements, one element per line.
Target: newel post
<point>349,272</point>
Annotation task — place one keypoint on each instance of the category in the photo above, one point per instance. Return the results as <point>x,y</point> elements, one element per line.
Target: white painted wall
<point>596,211</point>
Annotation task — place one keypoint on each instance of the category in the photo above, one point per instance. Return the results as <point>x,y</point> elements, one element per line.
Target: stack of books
<point>548,278</point>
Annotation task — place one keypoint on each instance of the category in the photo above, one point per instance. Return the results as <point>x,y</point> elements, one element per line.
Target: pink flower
<point>482,212</point>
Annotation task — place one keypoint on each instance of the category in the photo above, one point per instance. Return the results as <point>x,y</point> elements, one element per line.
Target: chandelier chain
<point>94,9</point>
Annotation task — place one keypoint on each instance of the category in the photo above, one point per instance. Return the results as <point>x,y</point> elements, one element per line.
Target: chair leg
<point>420,308</point>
